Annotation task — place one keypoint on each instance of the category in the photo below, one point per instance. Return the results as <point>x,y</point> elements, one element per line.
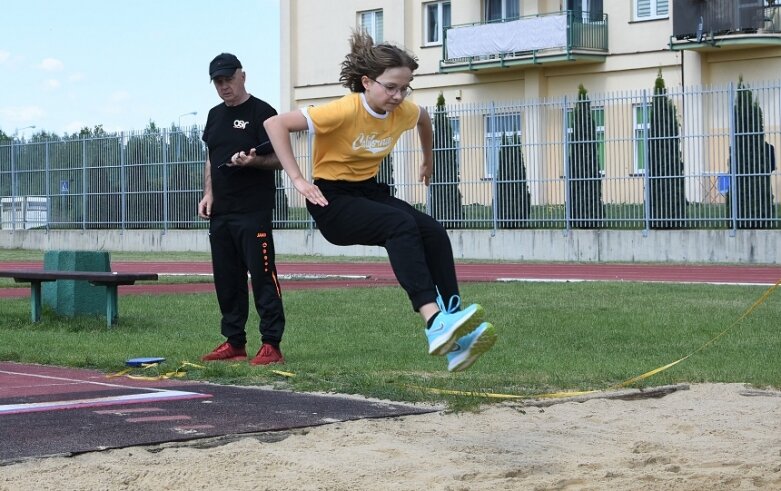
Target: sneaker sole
<point>465,328</point>
<point>234,358</point>
<point>280,362</point>
<point>484,342</point>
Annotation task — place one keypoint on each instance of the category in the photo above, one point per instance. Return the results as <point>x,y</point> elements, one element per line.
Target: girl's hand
<point>311,192</point>
<point>426,171</point>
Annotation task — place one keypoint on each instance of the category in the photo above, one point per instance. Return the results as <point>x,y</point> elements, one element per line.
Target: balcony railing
<point>696,26</point>
<point>547,38</point>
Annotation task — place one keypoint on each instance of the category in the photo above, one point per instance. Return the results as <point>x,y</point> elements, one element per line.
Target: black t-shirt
<point>231,129</point>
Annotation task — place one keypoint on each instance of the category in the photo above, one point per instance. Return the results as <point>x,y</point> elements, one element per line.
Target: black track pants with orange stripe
<point>242,243</point>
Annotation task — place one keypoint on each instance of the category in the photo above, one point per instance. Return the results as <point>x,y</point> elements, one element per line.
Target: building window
<point>640,123</point>
<point>497,127</point>
<point>371,22</point>
<point>598,115</point>
<point>437,19</point>
<point>651,9</point>
<point>498,10</point>
<point>586,10</point>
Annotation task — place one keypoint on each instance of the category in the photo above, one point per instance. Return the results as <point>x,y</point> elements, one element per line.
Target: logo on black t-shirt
<point>238,123</point>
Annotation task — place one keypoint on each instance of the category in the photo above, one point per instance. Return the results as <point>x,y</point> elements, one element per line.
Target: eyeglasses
<point>392,90</point>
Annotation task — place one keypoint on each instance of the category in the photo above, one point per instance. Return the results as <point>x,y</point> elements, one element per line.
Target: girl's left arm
<point>426,134</point>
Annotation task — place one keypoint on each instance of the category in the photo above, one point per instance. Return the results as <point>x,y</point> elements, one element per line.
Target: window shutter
<point>643,8</point>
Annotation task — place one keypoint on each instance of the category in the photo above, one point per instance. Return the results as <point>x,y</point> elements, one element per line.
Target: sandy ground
<point>703,437</point>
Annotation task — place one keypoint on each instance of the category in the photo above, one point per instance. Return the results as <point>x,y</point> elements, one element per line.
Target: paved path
<point>326,275</point>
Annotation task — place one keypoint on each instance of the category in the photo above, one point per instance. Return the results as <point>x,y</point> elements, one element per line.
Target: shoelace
<point>453,305</point>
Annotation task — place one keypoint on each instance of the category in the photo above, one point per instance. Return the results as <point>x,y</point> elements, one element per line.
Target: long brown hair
<point>367,59</point>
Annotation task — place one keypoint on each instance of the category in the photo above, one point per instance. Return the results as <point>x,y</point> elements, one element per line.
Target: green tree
<point>513,201</point>
<point>5,164</point>
<point>585,183</point>
<point>144,178</point>
<point>281,204</point>
<point>102,158</point>
<point>445,195</point>
<point>184,177</point>
<point>665,166</point>
<point>752,164</point>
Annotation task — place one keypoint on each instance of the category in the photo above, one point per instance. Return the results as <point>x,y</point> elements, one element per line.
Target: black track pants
<point>242,243</point>
<point>364,213</point>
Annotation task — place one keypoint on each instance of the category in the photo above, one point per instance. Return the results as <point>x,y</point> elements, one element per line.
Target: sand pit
<point>708,436</point>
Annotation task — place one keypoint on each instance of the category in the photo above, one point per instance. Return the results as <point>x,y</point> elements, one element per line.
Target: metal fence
<point>682,158</point>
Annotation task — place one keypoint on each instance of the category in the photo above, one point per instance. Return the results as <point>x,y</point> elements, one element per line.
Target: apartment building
<point>477,51</point>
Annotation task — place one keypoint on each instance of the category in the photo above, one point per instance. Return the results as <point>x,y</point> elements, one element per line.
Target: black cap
<point>223,65</point>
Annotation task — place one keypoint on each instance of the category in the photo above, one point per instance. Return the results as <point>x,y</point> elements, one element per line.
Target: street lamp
<point>17,130</point>
<point>179,127</point>
<point>192,113</point>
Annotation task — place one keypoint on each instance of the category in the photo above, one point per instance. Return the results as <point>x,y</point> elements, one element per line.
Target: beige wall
<point>315,39</point>
<point>315,34</point>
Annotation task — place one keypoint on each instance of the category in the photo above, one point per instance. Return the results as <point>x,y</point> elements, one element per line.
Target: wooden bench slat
<point>93,276</point>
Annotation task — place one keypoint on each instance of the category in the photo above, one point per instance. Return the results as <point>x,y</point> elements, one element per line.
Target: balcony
<point>730,24</point>
<point>555,38</point>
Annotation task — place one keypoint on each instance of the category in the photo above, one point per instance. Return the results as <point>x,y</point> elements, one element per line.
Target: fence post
<point>123,180</point>
<point>166,135</point>
<point>646,173</point>
<point>733,202</point>
<point>310,170</point>
<point>495,152</point>
<point>13,186</point>
<point>84,183</point>
<point>47,174</point>
<point>565,154</point>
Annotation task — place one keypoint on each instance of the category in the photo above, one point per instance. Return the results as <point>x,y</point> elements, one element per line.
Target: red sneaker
<point>268,355</point>
<point>225,352</point>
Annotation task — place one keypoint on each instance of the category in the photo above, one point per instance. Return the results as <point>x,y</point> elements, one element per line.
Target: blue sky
<point>66,65</point>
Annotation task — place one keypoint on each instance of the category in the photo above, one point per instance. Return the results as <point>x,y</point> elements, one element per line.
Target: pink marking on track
<point>155,419</point>
<point>122,412</point>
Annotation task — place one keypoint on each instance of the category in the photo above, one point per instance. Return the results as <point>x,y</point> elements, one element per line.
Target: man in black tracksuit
<point>238,201</point>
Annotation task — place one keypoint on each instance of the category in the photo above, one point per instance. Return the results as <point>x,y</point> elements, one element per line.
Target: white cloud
<point>74,127</point>
<point>76,77</point>
<point>51,65</point>
<point>119,96</point>
<point>51,84</point>
<point>22,115</point>
<point>4,56</point>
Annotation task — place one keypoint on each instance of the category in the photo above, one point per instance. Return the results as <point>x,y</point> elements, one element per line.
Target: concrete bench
<point>98,278</point>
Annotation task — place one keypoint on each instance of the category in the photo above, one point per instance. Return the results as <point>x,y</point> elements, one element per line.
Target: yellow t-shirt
<point>350,139</point>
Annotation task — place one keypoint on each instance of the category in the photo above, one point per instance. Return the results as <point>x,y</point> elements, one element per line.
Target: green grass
<point>552,336</point>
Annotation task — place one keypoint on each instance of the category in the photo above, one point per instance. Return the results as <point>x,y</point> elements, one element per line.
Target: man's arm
<point>268,161</point>
<point>205,205</point>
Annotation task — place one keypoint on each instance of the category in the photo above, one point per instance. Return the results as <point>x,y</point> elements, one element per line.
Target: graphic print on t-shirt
<point>371,143</point>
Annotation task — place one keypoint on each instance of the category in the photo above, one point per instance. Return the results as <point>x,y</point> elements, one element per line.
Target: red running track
<point>329,275</point>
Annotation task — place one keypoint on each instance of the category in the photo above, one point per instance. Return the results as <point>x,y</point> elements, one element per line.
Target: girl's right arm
<point>278,129</point>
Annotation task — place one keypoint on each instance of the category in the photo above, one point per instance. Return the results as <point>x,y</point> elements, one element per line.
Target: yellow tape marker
<point>283,374</point>
<point>178,373</point>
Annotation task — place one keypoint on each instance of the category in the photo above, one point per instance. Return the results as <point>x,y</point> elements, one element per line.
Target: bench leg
<point>35,300</point>
<point>112,310</point>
